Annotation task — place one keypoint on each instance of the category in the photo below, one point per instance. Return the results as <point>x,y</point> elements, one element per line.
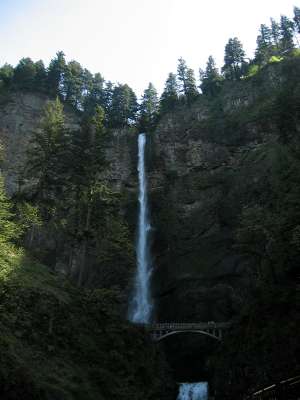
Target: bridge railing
<point>287,389</point>
<point>188,326</point>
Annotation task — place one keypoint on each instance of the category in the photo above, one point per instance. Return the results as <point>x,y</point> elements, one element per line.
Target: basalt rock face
<point>199,186</point>
<point>20,115</point>
<point>205,164</point>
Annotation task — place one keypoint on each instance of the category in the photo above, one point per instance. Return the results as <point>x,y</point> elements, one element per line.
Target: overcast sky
<point>132,41</point>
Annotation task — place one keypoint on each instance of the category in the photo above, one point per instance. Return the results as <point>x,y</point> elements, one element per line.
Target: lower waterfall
<point>193,391</point>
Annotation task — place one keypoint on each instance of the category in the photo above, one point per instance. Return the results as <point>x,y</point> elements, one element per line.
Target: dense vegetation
<point>64,342</point>
<point>61,342</point>
<point>58,342</point>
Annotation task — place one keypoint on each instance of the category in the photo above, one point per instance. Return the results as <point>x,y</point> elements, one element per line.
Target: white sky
<point>132,41</point>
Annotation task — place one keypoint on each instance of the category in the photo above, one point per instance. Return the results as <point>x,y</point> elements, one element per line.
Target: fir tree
<point>234,59</point>
<point>47,154</point>
<point>286,34</point>
<point>297,19</point>
<point>275,33</point>
<point>181,75</point>
<point>95,93</point>
<point>25,74</point>
<point>210,78</point>
<point>123,107</point>
<point>169,97</point>
<point>55,74</point>
<point>191,87</point>
<point>6,75</point>
<point>73,84</point>
<point>149,109</point>
<point>40,76</point>
<point>187,83</point>
<point>264,45</point>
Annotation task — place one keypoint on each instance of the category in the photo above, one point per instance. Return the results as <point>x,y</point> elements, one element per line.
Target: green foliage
<point>45,155</point>
<point>148,109</point>
<point>275,30</point>
<point>264,45</point>
<point>55,74</point>
<point>58,341</point>
<point>9,230</point>
<point>210,78</point>
<point>72,199</point>
<point>73,84</point>
<point>286,42</point>
<point>25,74</point>
<point>275,59</point>
<point>186,82</point>
<point>297,18</point>
<point>95,95</point>
<point>6,75</point>
<point>252,70</point>
<point>169,97</point>
<point>295,53</point>
<point>234,59</point>
<point>123,107</point>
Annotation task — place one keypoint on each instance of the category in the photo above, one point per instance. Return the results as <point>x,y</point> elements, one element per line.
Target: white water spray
<point>141,307</point>
<point>193,391</point>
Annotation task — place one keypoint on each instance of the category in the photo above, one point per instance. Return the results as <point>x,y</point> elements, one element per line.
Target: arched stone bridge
<point>160,331</point>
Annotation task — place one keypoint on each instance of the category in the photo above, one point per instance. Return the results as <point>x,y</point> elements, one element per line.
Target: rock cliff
<point>199,187</point>
<point>205,165</point>
<point>20,115</point>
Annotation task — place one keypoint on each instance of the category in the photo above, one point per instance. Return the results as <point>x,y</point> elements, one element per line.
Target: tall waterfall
<point>141,305</point>
<point>193,391</point>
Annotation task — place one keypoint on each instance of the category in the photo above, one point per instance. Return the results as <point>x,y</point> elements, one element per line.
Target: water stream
<point>193,391</point>
<point>141,305</point>
<point>140,310</point>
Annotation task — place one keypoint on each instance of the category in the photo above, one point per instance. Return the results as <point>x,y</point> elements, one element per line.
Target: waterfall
<point>141,306</point>
<point>193,391</point>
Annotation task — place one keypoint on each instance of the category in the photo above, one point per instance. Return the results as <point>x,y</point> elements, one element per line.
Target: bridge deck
<point>183,326</point>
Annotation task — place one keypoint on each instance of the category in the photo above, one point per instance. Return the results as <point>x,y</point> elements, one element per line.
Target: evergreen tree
<point>169,97</point>
<point>55,74</point>
<point>264,45</point>
<point>234,59</point>
<point>87,194</point>
<point>40,77</point>
<point>210,78</point>
<point>181,75</point>
<point>46,155</point>
<point>73,84</point>
<point>286,34</point>
<point>187,83</point>
<point>148,109</point>
<point>6,75</point>
<point>275,33</point>
<point>25,74</point>
<point>297,19</point>
<point>107,99</point>
<point>95,94</point>
<point>87,85</point>
<point>191,87</point>
<point>123,106</point>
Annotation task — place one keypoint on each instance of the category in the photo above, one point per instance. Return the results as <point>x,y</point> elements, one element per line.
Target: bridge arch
<point>161,331</point>
<point>158,338</point>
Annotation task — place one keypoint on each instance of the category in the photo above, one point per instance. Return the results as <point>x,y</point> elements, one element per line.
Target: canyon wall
<point>205,165</point>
